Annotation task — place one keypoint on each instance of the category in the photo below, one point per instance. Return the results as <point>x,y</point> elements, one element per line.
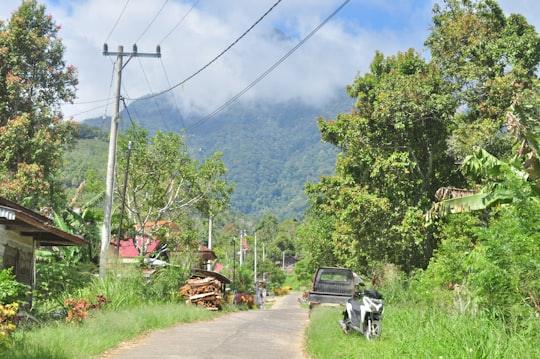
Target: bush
<point>243,299</point>
<point>8,315</point>
<point>11,291</point>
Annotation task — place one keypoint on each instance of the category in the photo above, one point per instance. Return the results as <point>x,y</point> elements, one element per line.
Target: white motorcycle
<point>364,317</point>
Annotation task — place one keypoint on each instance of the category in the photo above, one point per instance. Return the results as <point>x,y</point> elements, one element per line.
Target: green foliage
<point>490,265</point>
<point>166,184</point>
<point>128,287</point>
<point>101,331</point>
<point>269,149</point>
<point>165,283</point>
<point>487,57</point>
<point>273,274</point>
<point>8,314</point>
<point>243,279</point>
<point>413,331</point>
<point>85,162</point>
<point>315,247</point>
<point>11,291</point>
<point>506,259</point>
<point>61,271</point>
<point>35,80</point>
<point>394,158</point>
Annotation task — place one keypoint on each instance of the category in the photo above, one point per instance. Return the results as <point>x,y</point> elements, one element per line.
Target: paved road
<point>274,333</point>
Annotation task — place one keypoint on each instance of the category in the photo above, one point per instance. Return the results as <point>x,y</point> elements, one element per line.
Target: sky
<point>297,50</point>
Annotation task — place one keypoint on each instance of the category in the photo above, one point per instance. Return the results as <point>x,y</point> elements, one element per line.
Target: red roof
<point>128,249</point>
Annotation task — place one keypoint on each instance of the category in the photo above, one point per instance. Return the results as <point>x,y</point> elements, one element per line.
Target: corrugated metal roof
<point>7,213</point>
<point>24,220</point>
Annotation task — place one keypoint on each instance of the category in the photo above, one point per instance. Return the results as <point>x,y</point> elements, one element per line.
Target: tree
<point>34,81</point>
<point>266,230</point>
<point>414,120</point>
<point>166,184</point>
<point>393,159</point>
<point>487,58</point>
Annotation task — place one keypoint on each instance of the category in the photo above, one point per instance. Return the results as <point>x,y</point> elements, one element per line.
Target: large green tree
<point>414,121</point>
<point>166,184</point>
<point>488,58</point>
<point>34,82</point>
<point>393,159</point>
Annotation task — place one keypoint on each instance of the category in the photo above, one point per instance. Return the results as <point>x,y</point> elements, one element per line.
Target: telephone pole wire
<point>113,140</point>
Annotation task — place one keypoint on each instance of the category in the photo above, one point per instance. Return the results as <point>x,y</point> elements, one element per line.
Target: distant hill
<point>270,149</point>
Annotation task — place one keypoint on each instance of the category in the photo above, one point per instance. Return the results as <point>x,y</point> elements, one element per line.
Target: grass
<point>297,285</point>
<point>410,332</point>
<point>101,331</point>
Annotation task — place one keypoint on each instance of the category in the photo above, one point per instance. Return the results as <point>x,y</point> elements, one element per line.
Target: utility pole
<point>123,206</point>
<point>113,139</point>
<point>255,261</point>
<point>209,263</point>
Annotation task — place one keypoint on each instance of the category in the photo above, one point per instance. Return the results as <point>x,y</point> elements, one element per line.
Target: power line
<point>117,20</point>
<point>172,95</point>
<point>154,99</point>
<point>214,59</point>
<point>178,23</point>
<point>151,22</point>
<point>269,70</point>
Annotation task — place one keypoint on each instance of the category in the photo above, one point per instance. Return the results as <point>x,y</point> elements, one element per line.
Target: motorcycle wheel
<point>374,332</point>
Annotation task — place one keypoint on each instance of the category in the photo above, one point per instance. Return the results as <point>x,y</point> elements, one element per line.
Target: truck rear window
<point>335,276</point>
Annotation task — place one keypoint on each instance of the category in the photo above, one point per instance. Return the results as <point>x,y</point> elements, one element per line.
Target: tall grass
<point>297,285</point>
<point>414,328</point>
<point>420,332</point>
<point>101,331</point>
<point>134,305</point>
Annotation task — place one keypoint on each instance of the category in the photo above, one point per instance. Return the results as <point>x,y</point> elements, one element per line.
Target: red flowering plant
<point>245,299</point>
<point>77,310</point>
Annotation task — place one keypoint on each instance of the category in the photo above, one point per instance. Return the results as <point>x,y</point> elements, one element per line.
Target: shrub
<point>8,314</point>
<point>11,291</point>
<point>246,300</point>
<point>77,310</point>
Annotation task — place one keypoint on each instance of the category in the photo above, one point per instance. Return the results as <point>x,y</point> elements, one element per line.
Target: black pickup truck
<point>332,286</point>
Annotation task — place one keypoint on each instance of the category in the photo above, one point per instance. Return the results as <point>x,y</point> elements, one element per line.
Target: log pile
<point>203,291</point>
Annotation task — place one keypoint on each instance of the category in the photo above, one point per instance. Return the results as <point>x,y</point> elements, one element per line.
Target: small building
<point>155,251</point>
<point>22,230</point>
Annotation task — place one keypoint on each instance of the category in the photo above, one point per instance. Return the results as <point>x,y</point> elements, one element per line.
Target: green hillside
<point>270,149</point>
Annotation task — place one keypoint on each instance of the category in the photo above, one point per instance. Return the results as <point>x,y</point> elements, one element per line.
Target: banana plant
<point>524,166</point>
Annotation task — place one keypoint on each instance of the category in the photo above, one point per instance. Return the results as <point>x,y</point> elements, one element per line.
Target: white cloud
<point>328,61</point>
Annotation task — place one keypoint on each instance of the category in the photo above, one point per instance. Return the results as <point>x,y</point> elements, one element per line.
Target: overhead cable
<point>177,108</point>
<point>117,21</point>
<point>179,22</point>
<point>213,60</point>
<point>151,22</point>
<point>269,70</point>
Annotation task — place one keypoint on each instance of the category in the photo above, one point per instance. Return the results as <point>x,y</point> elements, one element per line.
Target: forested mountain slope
<point>270,149</point>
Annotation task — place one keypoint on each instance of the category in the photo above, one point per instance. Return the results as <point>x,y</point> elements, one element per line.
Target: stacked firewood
<point>203,291</point>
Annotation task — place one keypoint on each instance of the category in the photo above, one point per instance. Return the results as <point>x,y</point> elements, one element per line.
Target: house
<point>22,230</point>
<point>130,254</point>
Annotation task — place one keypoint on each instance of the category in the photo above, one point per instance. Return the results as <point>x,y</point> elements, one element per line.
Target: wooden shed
<point>22,230</point>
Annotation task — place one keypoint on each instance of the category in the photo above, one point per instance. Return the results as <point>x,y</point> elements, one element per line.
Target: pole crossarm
<point>134,53</point>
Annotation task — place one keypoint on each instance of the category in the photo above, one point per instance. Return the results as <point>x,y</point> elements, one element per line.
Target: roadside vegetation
<point>416,328</point>
<point>102,330</point>
<point>411,331</point>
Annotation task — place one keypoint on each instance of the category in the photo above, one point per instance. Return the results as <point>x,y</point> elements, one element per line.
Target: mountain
<point>270,149</point>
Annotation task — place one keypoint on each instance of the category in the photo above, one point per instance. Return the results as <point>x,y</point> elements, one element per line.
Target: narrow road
<point>274,333</point>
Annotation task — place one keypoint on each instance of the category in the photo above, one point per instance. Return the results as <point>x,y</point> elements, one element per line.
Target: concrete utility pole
<point>255,261</point>
<point>209,263</point>
<point>111,164</point>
